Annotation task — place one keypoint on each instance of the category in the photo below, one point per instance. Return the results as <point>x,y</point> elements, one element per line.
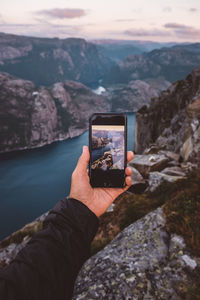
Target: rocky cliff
<point>171,63</point>
<point>173,119</point>
<point>143,262</point>
<point>31,117</point>
<point>156,257</point>
<point>46,61</point>
<point>132,96</point>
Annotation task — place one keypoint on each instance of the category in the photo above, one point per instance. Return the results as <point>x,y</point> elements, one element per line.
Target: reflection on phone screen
<point>107,147</point>
<point>107,155</point>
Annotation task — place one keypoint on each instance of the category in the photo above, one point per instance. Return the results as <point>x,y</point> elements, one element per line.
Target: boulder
<point>156,178</point>
<point>173,171</point>
<point>149,163</point>
<point>142,262</point>
<point>171,155</point>
<point>188,166</point>
<point>153,149</point>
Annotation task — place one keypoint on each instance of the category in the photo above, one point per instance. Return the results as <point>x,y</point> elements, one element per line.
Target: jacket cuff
<point>77,215</point>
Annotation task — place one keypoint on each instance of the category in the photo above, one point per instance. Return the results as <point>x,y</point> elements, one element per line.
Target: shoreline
<point>59,139</point>
<point>68,135</point>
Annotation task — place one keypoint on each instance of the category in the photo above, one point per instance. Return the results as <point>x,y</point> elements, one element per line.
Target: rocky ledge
<point>142,262</point>
<point>156,257</point>
<point>173,120</point>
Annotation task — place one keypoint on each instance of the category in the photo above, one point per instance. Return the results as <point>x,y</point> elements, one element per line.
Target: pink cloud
<point>184,31</point>
<point>146,32</point>
<point>63,13</point>
<point>175,25</point>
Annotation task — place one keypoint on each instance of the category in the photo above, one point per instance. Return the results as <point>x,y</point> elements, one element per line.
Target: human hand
<point>96,199</point>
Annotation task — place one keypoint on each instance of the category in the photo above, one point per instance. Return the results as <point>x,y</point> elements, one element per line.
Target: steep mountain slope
<point>31,117</point>
<point>173,119</point>
<point>171,63</point>
<point>46,61</point>
<point>132,96</point>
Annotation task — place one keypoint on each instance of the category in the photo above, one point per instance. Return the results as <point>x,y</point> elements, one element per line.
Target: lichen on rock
<point>142,262</point>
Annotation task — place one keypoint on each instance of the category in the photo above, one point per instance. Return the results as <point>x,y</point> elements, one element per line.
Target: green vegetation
<point>183,210</point>
<point>181,201</point>
<point>193,289</point>
<point>27,230</point>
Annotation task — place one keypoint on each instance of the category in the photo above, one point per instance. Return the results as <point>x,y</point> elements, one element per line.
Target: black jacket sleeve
<point>46,268</point>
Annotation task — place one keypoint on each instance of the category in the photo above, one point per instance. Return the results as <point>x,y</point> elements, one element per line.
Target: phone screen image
<point>107,153</point>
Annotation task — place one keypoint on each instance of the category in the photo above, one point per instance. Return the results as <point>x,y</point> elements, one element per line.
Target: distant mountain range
<point>46,61</point>
<point>33,115</point>
<point>117,50</point>
<point>173,63</point>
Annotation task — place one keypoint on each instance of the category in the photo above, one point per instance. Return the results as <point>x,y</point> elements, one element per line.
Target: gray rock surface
<point>132,96</point>
<point>142,262</point>
<point>148,163</point>
<point>173,63</point>
<point>139,184</point>
<point>8,253</point>
<point>156,178</point>
<point>173,171</point>
<point>173,120</point>
<point>46,61</point>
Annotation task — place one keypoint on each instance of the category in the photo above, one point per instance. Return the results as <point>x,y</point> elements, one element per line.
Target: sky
<point>155,20</point>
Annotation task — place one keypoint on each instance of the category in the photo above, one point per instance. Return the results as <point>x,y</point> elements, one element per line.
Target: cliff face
<point>173,119</point>
<point>132,96</point>
<point>32,117</point>
<point>171,63</point>
<point>46,61</point>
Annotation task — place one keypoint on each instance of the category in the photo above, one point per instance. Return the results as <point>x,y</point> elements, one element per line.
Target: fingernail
<point>84,148</point>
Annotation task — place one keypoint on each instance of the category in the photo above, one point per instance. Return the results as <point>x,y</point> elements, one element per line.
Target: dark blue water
<point>32,181</point>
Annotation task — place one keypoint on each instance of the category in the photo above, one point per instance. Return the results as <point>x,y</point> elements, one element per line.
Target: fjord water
<point>32,181</point>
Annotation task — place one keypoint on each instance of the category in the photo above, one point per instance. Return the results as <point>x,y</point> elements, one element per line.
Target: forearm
<point>47,267</point>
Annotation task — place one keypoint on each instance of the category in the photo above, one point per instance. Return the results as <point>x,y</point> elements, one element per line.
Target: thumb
<point>83,160</point>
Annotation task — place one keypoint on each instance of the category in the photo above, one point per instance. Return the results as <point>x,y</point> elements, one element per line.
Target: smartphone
<point>107,144</point>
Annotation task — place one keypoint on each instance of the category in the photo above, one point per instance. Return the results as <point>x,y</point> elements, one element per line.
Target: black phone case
<point>125,144</point>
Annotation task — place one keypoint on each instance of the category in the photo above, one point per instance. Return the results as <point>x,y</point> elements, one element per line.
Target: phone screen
<point>107,150</point>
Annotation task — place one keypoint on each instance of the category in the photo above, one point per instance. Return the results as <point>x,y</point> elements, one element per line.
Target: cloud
<point>174,25</point>
<point>63,13</point>
<point>188,33</point>
<point>184,31</point>
<point>146,32</point>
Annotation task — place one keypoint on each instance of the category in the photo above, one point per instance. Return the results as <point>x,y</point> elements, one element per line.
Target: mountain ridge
<point>173,63</point>
<point>62,59</point>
